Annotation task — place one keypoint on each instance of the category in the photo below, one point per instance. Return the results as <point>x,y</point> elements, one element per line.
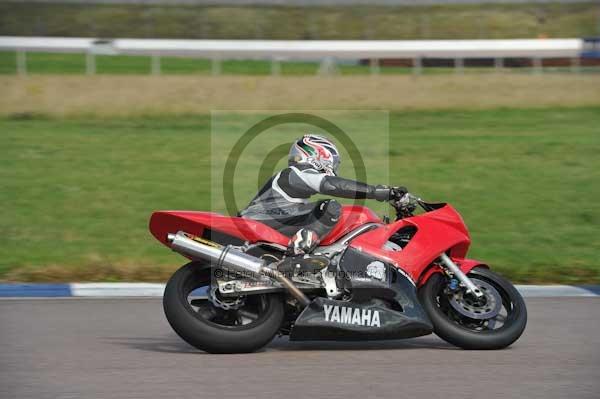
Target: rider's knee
<point>329,211</point>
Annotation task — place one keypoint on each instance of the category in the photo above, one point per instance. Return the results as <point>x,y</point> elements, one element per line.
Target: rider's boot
<point>299,259</point>
<point>303,242</point>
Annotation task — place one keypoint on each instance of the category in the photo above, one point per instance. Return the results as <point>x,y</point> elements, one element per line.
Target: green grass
<point>362,22</point>
<point>75,64</point>
<point>76,194</point>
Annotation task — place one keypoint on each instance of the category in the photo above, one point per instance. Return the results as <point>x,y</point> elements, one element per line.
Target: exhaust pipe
<point>232,260</point>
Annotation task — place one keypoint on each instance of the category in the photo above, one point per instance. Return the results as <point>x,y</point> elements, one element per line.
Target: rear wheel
<point>494,321</point>
<point>219,325</point>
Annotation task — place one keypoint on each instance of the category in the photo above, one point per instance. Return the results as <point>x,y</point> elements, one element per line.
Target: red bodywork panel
<point>165,222</point>
<point>352,217</point>
<point>437,231</point>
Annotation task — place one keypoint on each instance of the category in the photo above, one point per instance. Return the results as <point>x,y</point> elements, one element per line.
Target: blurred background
<point>105,116</point>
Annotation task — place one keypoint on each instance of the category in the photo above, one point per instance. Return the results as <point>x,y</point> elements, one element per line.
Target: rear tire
<point>456,329</point>
<point>213,336</point>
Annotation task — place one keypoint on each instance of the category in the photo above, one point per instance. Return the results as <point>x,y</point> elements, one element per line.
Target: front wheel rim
<point>502,318</point>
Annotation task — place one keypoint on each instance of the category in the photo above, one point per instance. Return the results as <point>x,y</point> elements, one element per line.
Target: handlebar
<point>406,205</point>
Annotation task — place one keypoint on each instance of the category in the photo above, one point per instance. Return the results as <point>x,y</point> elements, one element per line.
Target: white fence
<point>278,50</point>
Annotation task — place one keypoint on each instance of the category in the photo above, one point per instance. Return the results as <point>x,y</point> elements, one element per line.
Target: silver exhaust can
<point>233,260</point>
<point>227,257</point>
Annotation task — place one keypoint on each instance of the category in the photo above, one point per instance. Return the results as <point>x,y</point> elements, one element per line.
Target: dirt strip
<point>134,95</point>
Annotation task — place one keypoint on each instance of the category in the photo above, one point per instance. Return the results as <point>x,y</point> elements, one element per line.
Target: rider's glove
<point>398,192</point>
<point>385,193</point>
<point>406,202</point>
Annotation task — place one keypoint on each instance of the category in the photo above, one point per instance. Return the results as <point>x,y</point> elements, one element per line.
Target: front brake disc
<point>479,309</point>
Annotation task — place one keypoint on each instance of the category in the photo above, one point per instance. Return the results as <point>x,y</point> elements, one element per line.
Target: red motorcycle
<point>369,279</point>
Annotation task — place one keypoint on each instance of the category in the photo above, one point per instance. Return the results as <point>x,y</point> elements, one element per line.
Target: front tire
<point>212,328</point>
<point>475,332</point>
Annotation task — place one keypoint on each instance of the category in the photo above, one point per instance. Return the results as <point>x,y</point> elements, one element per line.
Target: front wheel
<point>493,322</point>
<point>219,325</point>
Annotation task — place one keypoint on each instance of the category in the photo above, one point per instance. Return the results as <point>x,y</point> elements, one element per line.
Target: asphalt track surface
<point>124,348</point>
<point>300,3</point>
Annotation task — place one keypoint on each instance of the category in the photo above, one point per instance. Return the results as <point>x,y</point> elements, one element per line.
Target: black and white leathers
<point>286,195</point>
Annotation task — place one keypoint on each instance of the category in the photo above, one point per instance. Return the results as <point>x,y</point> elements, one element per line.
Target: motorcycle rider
<point>283,202</point>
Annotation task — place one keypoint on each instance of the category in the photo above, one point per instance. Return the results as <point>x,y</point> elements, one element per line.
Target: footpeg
<point>302,265</point>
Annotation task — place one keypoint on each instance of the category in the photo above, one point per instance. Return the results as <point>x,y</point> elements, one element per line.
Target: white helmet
<point>317,151</point>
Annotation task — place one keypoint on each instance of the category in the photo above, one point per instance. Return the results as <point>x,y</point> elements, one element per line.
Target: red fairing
<point>165,222</point>
<point>352,217</point>
<point>437,231</point>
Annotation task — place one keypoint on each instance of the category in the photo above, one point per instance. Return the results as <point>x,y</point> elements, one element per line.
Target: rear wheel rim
<point>253,310</point>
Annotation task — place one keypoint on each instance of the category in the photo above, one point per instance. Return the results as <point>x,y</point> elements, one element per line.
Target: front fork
<point>455,270</point>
